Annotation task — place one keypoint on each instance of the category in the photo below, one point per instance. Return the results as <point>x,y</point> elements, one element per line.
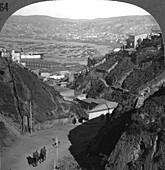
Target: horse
<point>37,155</point>
<point>31,161</point>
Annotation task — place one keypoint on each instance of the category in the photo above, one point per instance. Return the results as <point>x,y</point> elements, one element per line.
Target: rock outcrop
<point>133,139</point>
<point>134,136</point>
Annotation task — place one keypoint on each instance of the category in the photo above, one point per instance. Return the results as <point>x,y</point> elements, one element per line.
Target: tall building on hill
<point>132,40</point>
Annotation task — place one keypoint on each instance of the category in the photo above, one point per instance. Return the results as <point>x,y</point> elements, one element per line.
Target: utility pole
<point>30,118</point>
<point>54,163</point>
<point>55,145</point>
<point>57,153</point>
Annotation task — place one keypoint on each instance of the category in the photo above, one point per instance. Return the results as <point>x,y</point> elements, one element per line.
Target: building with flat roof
<point>156,32</point>
<point>97,107</point>
<point>37,64</point>
<point>57,76</point>
<point>32,55</point>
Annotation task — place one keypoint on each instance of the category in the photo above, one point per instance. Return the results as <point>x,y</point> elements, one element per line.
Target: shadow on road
<point>86,149</point>
<point>80,137</point>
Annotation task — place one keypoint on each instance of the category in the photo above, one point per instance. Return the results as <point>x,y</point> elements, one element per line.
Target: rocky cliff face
<point>134,136</point>
<point>125,73</point>
<point>133,140</point>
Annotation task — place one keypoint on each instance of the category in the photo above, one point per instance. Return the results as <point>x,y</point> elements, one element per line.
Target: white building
<point>102,109</point>
<point>141,37</point>
<point>31,56</point>
<point>2,52</point>
<point>45,74</point>
<point>57,77</point>
<point>116,50</point>
<point>16,56</point>
<point>81,97</point>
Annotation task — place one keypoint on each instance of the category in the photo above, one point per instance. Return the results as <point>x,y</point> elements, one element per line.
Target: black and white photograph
<point>82,85</point>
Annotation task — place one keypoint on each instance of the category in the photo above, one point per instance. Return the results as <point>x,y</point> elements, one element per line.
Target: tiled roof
<point>98,101</point>
<point>104,106</point>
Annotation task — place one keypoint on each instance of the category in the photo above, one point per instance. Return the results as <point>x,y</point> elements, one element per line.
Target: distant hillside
<point>105,30</point>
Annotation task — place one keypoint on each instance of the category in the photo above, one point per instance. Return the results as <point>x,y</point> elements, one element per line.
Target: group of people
<point>37,157</point>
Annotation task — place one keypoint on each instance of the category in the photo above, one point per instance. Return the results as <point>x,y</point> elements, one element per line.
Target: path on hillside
<point>14,158</point>
<point>104,81</point>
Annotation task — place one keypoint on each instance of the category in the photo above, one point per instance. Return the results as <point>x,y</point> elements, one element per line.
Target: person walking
<point>44,152</point>
<point>42,155</point>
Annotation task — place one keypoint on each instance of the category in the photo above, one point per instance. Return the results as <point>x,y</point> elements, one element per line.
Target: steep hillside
<point>20,87</point>
<point>133,137</point>
<point>132,140</point>
<point>123,73</point>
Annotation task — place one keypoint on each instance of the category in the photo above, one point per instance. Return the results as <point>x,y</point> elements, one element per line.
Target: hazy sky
<point>81,9</point>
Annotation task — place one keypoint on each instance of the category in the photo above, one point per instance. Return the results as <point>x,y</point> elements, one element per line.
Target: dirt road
<point>14,157</point>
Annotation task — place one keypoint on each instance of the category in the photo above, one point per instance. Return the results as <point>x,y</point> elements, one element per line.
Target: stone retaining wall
<point>50,123</point>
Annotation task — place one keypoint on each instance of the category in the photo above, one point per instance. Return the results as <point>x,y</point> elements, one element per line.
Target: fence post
<point>30,118</point>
